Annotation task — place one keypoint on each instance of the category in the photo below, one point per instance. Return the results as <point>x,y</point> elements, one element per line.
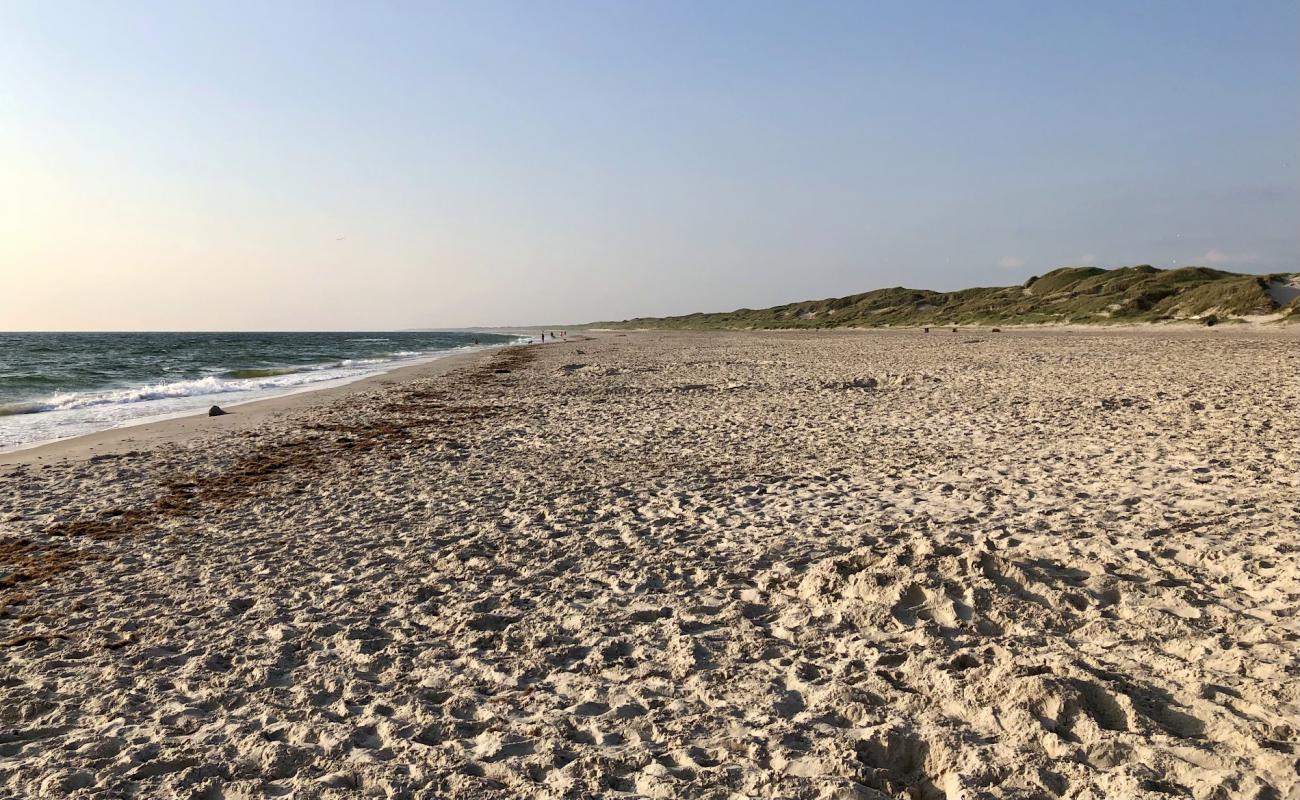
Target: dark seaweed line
<point>29,563</point>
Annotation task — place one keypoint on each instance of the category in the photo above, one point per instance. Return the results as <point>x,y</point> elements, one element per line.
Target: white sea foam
<point>197,387</point>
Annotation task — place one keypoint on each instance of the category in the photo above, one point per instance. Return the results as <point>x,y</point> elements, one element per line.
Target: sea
<point>57,385</point>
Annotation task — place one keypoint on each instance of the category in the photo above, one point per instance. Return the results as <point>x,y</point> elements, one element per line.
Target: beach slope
<point>795,565</point>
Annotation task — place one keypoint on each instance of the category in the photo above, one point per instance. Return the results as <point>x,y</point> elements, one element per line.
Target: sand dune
<point>813,565</point>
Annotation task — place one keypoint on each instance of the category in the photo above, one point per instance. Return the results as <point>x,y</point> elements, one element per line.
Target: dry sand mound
<point>777,565</point>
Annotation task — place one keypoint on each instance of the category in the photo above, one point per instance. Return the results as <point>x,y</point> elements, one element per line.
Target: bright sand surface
<point>889,564</point>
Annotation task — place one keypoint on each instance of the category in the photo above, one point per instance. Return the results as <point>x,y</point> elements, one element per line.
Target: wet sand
<point>889,564</point>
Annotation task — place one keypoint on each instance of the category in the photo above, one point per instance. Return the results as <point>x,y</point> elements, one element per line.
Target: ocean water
<point>56,385</point>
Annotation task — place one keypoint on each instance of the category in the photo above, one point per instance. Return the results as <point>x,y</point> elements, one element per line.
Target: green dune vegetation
<point>1077,295</point>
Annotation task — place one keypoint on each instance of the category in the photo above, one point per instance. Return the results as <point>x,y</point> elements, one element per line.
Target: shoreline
<point>240,416</point>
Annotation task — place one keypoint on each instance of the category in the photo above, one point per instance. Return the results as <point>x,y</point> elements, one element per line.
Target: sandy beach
<point>966,565</point>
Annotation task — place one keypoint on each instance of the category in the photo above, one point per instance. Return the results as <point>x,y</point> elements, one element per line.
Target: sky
<point>384,165</point>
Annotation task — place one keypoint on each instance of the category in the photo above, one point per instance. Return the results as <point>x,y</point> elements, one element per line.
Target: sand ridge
<point>1032,564</point>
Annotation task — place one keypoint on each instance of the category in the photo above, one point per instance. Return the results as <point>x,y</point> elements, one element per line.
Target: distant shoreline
<point>244,416</point>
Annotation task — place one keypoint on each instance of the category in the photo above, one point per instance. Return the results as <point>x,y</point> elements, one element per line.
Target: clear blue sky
<point>400,164</point>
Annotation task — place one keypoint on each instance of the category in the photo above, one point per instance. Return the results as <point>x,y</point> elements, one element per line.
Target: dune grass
<point>1079,295</point>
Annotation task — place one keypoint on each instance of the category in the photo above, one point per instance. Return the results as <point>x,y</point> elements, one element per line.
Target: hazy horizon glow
<point>334,166</point>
